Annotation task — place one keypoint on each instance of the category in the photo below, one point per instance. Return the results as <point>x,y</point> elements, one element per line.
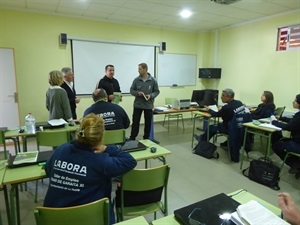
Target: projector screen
<point>90,58</point>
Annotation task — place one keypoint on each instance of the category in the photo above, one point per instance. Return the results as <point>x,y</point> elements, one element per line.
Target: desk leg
<point>15,205</point>
<point>243,149</point>
<point>268,150</point>
<point>7,204</point>
<point>194,119</point>
<point>152,131</point>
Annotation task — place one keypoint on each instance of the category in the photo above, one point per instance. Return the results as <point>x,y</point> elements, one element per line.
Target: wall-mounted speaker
<point>63,39</point>
<point>163,46</point>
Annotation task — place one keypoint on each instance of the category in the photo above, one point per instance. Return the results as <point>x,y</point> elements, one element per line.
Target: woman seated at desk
<point>266,108</point>
<point>81,171</point>
<point>283,145</point>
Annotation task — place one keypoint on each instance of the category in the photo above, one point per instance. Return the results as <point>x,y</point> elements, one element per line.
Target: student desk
<point>200,114</point>
<point>14,134</point>
<point>251,128</point>
<point>240,196</point>
<point>19,175</point>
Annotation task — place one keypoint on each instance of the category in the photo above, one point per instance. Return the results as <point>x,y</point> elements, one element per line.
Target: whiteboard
<point>90,58</point>
<point>176,69</point>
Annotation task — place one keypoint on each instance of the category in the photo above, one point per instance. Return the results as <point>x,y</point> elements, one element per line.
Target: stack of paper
<point>253,213</point>
<point>214,108</point>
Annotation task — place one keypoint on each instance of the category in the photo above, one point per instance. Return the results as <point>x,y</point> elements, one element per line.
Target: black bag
<point>206,149</point>
<point>263,171</point>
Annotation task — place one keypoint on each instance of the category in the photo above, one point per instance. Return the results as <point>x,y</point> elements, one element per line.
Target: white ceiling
<point>163,14</point>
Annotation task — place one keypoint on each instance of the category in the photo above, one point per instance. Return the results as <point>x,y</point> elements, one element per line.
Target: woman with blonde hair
<point>57,101</point>
<point>81,171</point>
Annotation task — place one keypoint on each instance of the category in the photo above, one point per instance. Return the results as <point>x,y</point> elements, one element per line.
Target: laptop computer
<point>207,211</point>
<point>132,146</point>
<point>42,157</point>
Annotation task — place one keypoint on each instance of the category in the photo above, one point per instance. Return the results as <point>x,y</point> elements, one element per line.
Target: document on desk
<point>270,126</point>
<point>254,213</point>
<point>265,120</point>
<point>213,108</point>
<point>57,122</point>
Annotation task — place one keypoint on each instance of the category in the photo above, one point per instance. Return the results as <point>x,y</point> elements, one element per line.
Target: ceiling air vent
<point>225,2</point>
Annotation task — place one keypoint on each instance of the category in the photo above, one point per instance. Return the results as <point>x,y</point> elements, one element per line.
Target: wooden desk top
<point>202,113</point>
<point>135,221</point>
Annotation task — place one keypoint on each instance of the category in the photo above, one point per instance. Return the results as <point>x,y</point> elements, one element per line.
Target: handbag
<point>206,150</point>
<point>263,171</point>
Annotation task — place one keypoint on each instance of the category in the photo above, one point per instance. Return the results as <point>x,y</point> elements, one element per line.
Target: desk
<point>14,134</point>
<point>242,197</point>
<point>135,221</point>
<point>251,128</point>
<point>168,111</point>
<point>19,175</point>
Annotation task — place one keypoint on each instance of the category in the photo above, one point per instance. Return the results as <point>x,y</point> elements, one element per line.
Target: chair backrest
<point>114,137</point>
<point>236,133</point>
<point>52,138</point>
<point>2,142</point>
<point>279,111</point>
<point>169,101</point>
<point>143,186</point>
<point>94,213</point>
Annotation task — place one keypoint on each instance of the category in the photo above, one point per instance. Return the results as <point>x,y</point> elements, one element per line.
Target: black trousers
<point>136,117</point>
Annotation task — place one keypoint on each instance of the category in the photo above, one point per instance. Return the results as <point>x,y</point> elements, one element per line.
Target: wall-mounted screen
<point>210,72</point>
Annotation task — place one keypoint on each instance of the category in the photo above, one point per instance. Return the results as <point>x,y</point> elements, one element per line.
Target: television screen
<point>197,95</point>
<point>211,97</point>
<point>210,72</point>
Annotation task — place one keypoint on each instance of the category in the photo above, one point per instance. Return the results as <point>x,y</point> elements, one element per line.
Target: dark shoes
<point>224,145</point>
<point>294,170</point>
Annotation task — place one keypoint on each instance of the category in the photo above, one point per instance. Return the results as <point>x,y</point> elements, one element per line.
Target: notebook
<point>208,211</point>
<point>42,157</point>
<point>132,146</point>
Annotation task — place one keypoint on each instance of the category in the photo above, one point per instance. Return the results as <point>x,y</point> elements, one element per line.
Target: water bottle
<point>30,124</point>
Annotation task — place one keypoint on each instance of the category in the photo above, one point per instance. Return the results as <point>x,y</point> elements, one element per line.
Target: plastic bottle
<point>30,124</point>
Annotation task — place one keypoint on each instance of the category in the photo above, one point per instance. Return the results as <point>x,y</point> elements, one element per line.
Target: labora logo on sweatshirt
<point>70,167</point>
<point>107,114</point>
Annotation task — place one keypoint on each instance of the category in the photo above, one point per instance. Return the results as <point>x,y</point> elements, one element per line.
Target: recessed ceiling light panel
<point>186,13</point>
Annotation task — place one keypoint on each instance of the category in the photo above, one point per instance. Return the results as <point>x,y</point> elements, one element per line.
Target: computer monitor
<point>211,97</point>
<point>197,95</point>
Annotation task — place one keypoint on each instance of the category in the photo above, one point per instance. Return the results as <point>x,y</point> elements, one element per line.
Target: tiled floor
<point>192,177</point>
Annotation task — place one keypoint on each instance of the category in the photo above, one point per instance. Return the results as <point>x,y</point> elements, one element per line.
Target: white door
<point>9,109</point>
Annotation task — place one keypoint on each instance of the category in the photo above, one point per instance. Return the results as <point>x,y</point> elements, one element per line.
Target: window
<point>288,38</point>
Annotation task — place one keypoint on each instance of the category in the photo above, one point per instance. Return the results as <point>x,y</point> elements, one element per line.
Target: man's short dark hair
<point>106,67</point>
<point>144,66</point>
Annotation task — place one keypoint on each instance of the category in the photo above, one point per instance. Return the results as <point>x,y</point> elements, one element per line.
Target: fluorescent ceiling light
<point>185,13</point>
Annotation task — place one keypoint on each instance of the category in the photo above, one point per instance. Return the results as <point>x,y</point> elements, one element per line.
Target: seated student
<point>226,113</point>
<point>114,115</point>
<point>282,146</point>
<point>81,171</point>
<point>290,211</point>
<point>266,108</point>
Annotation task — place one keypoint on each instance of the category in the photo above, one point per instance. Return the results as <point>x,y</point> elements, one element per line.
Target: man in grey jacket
<point>145,89</point>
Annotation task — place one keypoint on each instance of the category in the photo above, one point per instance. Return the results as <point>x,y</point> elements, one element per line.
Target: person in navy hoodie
<point>281,146</point>
<point>81,171</point>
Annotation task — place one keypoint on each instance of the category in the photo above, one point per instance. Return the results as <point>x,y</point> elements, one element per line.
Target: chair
<point>141,192</point>
<point>114,136</point>
<point>236,134</point>
<point>178,116</point>
<point>51,138</point>
<point>285,158</point>
<point>279,111</point>
<point>2,142</point>
<point>96,213</point>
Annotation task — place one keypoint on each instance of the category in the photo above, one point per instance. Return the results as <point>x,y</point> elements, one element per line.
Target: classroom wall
<point>250,63</point>
<point>37,52</point>
<point>245,53</point>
